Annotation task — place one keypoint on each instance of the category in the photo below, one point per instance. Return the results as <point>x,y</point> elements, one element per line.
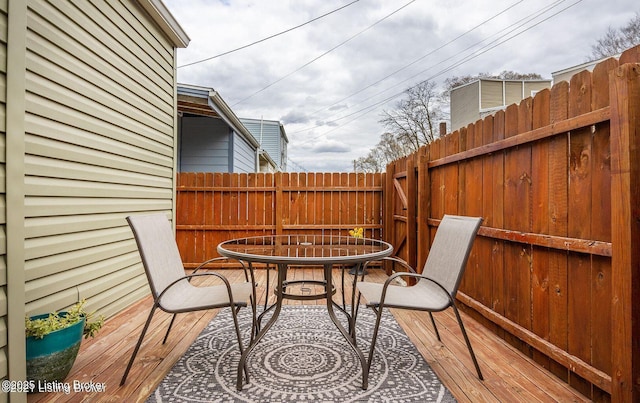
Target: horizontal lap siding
<point>244,155</point>
<point>3,217</point>
<point>99,140</point>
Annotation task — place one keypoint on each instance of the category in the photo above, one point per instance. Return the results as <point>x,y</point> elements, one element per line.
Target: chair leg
<point>135,350</point>
<point>433,322</point>
<point>234,313</point>
<point>466,339</point>
<point>166,336</point>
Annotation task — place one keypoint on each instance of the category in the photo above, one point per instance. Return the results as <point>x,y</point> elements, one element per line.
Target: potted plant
<point>53,341</point>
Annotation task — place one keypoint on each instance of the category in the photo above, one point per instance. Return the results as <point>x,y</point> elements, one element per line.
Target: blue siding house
<point>272,139</point>
<point>211,138</point>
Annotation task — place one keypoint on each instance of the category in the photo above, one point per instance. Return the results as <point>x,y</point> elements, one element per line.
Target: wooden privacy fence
<point>214,207</point>
<point>556,266</point>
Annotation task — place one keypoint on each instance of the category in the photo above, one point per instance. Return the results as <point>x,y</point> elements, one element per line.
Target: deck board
<point>509,375</point>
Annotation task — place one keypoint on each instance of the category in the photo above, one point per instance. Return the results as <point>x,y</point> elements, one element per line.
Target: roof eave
<point>166,21</point>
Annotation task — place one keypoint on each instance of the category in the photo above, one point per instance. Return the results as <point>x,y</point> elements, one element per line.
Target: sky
<point>340,63</point>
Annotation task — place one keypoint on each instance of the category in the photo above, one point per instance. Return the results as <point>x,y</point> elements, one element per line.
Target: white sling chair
<point>171,289</point>
<point>436,287</point>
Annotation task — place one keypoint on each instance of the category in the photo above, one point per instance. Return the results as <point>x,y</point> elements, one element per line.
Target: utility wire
<point>323,54</point>
<point>269,37</point>
<point>299,167</point>
<point>467,58</point>
<point>413,62</point>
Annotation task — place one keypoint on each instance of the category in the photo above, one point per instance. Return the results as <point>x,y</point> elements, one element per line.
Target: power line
<point>413,62</point>
<point>323,54</point>
<point>467,58</point>
<point>269,37</point>
<point>297,166</point>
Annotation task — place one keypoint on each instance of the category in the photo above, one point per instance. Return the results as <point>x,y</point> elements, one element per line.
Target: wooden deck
<point>509,375</point>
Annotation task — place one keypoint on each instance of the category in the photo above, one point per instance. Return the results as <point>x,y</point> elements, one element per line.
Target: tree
<point>616,41</point>
<point>387,150</point>
<point>415,120</point>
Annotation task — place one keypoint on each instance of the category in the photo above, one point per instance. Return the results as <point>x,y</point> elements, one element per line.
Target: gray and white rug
<point>303,358</point>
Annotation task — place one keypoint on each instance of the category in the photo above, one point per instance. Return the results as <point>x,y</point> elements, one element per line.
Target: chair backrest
<point>158,250</point>
<point>450,250</point>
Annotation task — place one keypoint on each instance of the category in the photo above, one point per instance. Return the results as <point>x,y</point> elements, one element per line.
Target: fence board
<point>512,209</point>
<point>625,235</point>
<point>580,152</point>
<point>485,249</point>
<point>497,190</point>
<point>540,224</point>
<point>558,224</point>
<point>601,227</point>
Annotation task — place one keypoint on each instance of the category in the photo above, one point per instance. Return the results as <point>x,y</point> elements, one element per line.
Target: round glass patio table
<point>302,250</point>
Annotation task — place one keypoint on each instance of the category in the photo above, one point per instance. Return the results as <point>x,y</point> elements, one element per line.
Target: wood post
<point>625,232</point>
<point>412,216</point>
<point>424,208</point>
<point>279,204</point>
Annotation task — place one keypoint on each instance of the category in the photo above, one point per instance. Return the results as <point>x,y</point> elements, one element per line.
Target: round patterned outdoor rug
<point>303,358</point>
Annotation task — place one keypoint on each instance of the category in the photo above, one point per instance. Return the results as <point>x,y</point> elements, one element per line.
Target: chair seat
<point>422,296</point>
<point>185,297</point>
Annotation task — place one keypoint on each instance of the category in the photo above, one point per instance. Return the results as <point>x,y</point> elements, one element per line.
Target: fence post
<point>279,204</point>
<point>625,232</point>
<point>424,207</point>
<point>389,210</point>
<point>412,217</point>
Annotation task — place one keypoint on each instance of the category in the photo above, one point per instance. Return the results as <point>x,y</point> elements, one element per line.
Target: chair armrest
<point>412,275</point>
<point>206,262</point>
<point>190,276</point>
<point>248,274</point>
<point>394,259</point>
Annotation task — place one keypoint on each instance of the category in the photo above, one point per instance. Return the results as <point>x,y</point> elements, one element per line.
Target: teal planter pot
<point>51,358</point>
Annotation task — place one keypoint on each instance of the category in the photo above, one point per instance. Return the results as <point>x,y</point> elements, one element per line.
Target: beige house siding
<point>513,92</point>
<point>3,188</point>
<point>483,97</point>
<point>491,94</point>
<point>99,146</point>
<point>532,87</point>
<point>92,139</point>
<point>465,101</point>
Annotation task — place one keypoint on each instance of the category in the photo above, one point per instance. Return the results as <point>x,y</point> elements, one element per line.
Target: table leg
<point>354,313</point>
<point>282,274</point>
<point>346,334</point>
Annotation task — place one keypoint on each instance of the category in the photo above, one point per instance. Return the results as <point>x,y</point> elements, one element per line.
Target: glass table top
<point>309,249</point>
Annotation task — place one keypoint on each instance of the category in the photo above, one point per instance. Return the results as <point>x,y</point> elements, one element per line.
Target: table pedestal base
<point>349,335</point>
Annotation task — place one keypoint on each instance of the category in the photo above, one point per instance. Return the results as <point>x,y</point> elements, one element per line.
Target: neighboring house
<point>566,74</point>
<point>477,99</point>
<point>212,138</point>
<point>88,127</point>
<point>272,139</point>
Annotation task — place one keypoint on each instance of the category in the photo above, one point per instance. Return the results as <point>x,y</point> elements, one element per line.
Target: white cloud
<point>330,146</point>
<point>327,105</point>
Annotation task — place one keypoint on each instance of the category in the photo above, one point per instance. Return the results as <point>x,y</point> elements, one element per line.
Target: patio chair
<point>172,290</point>
<point>437,286</point>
